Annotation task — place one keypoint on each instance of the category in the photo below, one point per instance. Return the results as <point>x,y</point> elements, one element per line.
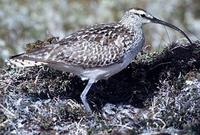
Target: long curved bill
<point>155,20</point>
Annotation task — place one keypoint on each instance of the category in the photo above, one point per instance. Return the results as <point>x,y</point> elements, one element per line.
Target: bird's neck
<point>130,24</point>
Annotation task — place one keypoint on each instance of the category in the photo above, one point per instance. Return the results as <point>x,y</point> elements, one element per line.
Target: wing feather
<point>96,46</point>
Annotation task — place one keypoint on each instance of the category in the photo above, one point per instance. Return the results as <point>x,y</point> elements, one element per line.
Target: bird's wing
<point>96,46</point>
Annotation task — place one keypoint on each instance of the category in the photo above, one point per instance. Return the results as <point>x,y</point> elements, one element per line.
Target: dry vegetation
<point>158,93</point>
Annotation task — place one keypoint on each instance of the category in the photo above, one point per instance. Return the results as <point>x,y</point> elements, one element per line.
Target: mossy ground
<point>157,93</point>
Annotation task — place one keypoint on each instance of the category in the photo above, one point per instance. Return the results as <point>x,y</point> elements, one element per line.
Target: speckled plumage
<point>95,46</point>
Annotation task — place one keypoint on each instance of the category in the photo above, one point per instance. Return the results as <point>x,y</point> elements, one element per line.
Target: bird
<point>94,52</point>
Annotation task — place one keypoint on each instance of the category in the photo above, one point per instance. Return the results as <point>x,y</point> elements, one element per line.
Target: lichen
<point>159,93</point>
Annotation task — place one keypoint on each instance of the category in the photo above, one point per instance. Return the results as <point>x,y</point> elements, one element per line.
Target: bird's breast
<point>135,48</point>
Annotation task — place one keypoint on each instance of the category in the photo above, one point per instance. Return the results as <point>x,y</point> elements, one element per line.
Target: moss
<point>39,44</point>
<point>158,93</point>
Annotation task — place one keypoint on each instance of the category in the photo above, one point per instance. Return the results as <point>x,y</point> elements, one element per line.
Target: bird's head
<point>139,15</point>
<point>135,18</point>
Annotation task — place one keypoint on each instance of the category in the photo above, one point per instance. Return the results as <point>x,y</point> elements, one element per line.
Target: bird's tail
<point>21,60</point>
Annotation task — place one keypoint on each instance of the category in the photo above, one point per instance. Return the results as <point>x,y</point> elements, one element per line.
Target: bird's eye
<point>142,15</point>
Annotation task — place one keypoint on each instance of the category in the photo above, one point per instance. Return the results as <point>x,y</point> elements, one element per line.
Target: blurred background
<point>23,21</point>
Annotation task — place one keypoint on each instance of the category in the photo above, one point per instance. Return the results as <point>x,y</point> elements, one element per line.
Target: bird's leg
<point>84,93</point>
